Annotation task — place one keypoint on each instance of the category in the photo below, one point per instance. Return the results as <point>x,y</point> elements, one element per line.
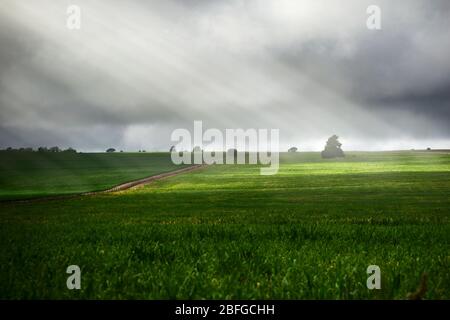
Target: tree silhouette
<point>333,148</point>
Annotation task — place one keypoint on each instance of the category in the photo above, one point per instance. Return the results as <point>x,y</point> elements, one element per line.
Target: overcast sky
<point>136,70</point>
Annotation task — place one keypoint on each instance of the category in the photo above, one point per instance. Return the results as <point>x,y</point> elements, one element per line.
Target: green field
<point>34,174</point>
<point>226,232</point>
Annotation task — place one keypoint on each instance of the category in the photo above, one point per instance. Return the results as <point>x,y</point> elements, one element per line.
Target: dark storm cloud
<point>137,70</point>
<point>433,104</point>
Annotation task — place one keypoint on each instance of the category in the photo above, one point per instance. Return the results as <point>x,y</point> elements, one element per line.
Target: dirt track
<point>142,182</point>
<point>120,187</point>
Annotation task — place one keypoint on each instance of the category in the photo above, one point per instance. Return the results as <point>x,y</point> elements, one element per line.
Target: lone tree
<point>293,149</point>
<point>333,148</point>
<point>110,150</point>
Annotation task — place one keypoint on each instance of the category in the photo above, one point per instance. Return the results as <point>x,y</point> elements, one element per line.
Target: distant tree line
<point>332,149</point>
<point>42,150</point>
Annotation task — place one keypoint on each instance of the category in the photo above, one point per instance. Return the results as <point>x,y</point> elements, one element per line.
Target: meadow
<point>37,174</point>
<point>226,232</point>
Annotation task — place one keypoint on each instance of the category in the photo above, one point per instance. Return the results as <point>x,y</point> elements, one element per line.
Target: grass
<point>226,232</point>
<point>35,174</point>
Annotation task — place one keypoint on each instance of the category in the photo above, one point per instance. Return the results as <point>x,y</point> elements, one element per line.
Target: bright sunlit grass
<point>227,232</point>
